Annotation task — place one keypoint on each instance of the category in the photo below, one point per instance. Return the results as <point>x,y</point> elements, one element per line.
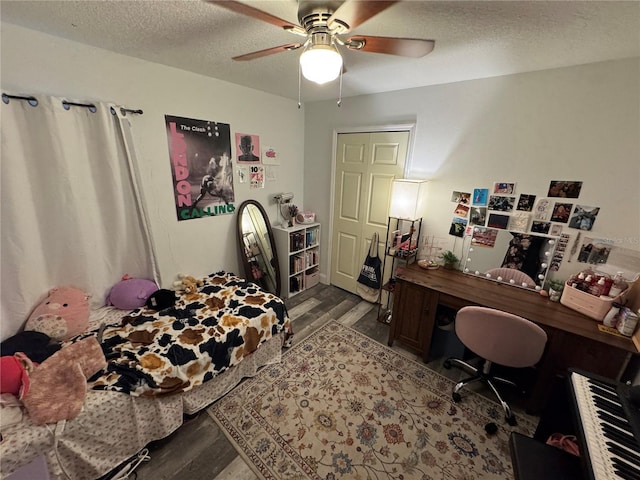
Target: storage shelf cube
<point>299,255</point>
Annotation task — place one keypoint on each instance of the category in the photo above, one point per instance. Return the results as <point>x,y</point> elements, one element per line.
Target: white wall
<point>35,63</point>
<point>578,123</point>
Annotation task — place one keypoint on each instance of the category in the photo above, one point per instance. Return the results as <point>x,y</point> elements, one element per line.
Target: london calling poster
<point>200,156</point>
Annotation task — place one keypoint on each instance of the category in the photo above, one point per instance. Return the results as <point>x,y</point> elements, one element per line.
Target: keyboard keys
<point>612,449</point>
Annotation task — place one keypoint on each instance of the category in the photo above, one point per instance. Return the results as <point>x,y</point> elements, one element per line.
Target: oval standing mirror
<point>515,258</point>
<point>258,253</point>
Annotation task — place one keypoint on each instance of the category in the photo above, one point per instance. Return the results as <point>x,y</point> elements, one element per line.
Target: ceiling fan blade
<point>267,51</point>
<point>245,9</point>
<point>356,12</point>
<point>406,47</point>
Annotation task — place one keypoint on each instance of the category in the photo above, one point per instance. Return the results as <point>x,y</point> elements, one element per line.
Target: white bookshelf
<point>299,256</point>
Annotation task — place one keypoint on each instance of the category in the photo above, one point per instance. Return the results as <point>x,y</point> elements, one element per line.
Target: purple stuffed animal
<point>131,293</point>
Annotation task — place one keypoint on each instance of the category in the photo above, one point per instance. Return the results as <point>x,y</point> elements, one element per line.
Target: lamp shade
<point>407,198</point>
<point>320,63</point>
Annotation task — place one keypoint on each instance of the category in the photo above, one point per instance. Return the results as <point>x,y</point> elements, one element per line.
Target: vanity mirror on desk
<point>515,258</point>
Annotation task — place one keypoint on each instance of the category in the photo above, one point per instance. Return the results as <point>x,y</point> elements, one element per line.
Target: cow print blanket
<point>203,334</point>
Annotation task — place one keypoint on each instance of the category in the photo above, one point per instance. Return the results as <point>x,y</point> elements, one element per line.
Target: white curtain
<point>70,207</point>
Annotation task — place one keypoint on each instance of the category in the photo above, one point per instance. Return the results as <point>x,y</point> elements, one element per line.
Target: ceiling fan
<point>324,24</point>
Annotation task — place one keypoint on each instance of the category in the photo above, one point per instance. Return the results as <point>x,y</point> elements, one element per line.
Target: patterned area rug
<point>341,405</point>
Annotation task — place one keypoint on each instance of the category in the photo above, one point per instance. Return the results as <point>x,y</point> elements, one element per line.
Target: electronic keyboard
<point>609,427</point>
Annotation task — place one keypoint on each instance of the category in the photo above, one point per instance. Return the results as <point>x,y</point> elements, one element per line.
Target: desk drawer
<point>453,302</point>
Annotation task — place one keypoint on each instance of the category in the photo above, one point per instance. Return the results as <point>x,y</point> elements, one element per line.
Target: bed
<point>160,366</point>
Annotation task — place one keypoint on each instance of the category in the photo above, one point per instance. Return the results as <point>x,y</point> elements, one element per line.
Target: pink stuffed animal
<point>62,315</point>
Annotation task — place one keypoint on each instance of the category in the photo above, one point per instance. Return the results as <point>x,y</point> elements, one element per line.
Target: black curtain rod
<point>33,101</point>
<point>124,111</point>
<point>67,105</point>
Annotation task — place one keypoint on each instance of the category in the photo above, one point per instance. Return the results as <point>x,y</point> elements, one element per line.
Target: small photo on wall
<point>500,203</point>
<point>558,253</point>
<point>526,202</point>
<point>595,251</point>
<point>247,146</point>
<point>520,222</point>
<point>480,196</point>
<point>498,221</point>
<point>484,237</point>
<point>478,216</point>
<point>458,226</point>
<point>542,209</point>
<point>584,217</point>
<point>561,212</point>
<point>556,230</point>
<point>504,188</point>
<point>256,176</point>
<point>564,188</point>
<point>540,227</point>
<point>461,197</point>
<point>461,211</point>
<point>270,156</point>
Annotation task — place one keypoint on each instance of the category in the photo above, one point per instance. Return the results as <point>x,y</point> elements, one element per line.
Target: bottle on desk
<point>611,318</point>
<point>619,285</point>
<point>601,286</point>
<point>582,281</point>
<point>598,284</point>
<point>627,321</point>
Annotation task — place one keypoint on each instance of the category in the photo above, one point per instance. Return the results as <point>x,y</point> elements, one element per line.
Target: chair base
<point>481,375</point>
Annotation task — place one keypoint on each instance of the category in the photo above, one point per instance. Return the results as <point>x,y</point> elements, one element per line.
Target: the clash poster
<point>200,155</point>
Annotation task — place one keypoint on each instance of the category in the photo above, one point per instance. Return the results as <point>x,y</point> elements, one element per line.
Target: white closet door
<point>366,165</point>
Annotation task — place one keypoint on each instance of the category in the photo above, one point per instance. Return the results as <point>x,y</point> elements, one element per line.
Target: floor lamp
<point>407,202</point>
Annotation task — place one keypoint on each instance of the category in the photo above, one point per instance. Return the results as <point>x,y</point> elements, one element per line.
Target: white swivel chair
<point>497,337</point>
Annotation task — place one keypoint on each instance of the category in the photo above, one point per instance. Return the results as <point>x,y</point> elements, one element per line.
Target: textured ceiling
<point>476,39</point>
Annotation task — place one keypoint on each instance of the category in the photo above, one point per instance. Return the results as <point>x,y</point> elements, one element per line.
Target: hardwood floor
<point>198,450</point>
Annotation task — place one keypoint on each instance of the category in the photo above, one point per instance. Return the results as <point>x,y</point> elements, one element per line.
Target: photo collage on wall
<point>501,207</point>
<point>257,163</point>
<point>460,213</point>
<point>201,158</point>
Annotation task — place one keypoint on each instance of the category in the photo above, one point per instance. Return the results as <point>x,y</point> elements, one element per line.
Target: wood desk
<point>573,339</point>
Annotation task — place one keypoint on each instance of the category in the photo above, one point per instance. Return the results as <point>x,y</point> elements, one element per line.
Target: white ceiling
<point>474,39</point>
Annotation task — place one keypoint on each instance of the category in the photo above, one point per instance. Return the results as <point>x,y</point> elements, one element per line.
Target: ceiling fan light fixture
<point>321,63</point>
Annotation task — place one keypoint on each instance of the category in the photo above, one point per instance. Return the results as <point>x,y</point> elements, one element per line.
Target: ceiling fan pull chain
<point>299,86</point>
<point>340,94</point>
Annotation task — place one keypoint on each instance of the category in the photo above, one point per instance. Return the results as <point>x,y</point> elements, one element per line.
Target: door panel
<point>346,267</point>
<point>354,152</point>
<point>385,154</point>
<point>361,206</point>
<point>379,199</point>
<point>350,188</point>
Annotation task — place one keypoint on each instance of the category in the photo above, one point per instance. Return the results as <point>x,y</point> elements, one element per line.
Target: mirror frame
<point>539,283</point>
<point>241,250</point>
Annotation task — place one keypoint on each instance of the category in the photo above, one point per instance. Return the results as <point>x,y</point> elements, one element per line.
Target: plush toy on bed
<point>35,345</point>
<point>161,299</point>
<point>131,293</point>
<point>187,284</point>
<point>62,315</point>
